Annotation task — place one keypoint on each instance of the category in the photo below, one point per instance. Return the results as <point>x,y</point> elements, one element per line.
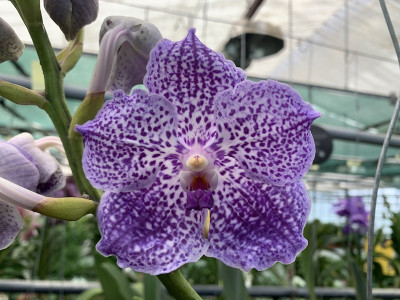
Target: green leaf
<point>91,294</point>
<point>151,287</point>
<point>359,279</point>
<point>305,259</point>
<point>234,288</point>
<point>114,282</point>
<point>396,232</point>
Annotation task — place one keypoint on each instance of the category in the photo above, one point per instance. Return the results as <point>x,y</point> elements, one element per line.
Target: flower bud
<point>133,54</point>
<point>10,45</point>
<point>72,15</point>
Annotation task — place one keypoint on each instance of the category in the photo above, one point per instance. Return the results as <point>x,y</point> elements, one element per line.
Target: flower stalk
<point>68,208</point>
<point>177,286</point>
<point>57,110</point>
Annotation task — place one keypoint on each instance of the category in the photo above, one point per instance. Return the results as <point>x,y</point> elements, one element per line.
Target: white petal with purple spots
<point>189,74</point>
<point>150,230</point>
<point>254,225</point>
<point>265,126</point>
<point>129,140</point>
<point>11,224</point>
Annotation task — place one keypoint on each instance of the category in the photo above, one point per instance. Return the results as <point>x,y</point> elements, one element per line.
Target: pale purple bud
<point>72,15</point>
<point>10,45</point>
<point>125,45</point>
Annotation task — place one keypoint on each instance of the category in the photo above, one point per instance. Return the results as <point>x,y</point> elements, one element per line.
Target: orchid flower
<point>24,169</point>
<point>204,163</point>
<point>353,209</point>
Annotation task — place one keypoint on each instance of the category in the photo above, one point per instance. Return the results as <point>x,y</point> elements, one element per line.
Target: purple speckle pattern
<point>128,141</point>
<point>149,230</point>
<point>189,74</point>
<point>129,69</point>
<point>265,126</point>
<point>256,138</point>
<point>254,225</point>
<point>11,224</point>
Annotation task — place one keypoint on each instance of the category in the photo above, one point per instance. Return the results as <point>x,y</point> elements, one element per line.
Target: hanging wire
<point>346,44</point>
<point>205,22</point>
<point>290,25</point>
<point>381,158</point>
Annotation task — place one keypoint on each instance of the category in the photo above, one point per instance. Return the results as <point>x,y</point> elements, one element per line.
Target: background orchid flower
<point>205,163</point>
<point>27,166</point>
<point>353,209</point>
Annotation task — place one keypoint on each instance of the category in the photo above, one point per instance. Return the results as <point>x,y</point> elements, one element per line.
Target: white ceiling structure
<point>343,44</point>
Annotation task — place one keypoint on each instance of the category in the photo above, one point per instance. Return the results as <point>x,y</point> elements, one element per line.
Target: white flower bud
<point>10,45</point>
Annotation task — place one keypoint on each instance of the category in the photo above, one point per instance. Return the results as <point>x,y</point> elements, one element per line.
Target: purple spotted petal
<point>149,230</point>
<point>129,69</point>
<point>253,225</point>
<point>265,126</point>
<point>17,166</point>
<point>128,141</point>
<point>189,75</point>
<point>11,224</point>
<point>46,163</point>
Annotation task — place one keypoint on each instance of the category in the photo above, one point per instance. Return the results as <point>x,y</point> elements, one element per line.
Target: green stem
<point>58,110</point>
<point>178,287</point>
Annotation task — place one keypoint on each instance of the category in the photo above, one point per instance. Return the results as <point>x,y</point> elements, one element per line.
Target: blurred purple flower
<point>70,189</point>
<point>203,145</point>
<point>22,162</point>
<point>353,209</point>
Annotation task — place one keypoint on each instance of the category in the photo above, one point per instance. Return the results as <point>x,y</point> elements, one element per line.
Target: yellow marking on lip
<point>206,227</point>
<point>197,163</point>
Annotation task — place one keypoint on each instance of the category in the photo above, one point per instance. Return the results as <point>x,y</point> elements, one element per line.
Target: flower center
<point>199,178</point>
<point>197,163</point>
